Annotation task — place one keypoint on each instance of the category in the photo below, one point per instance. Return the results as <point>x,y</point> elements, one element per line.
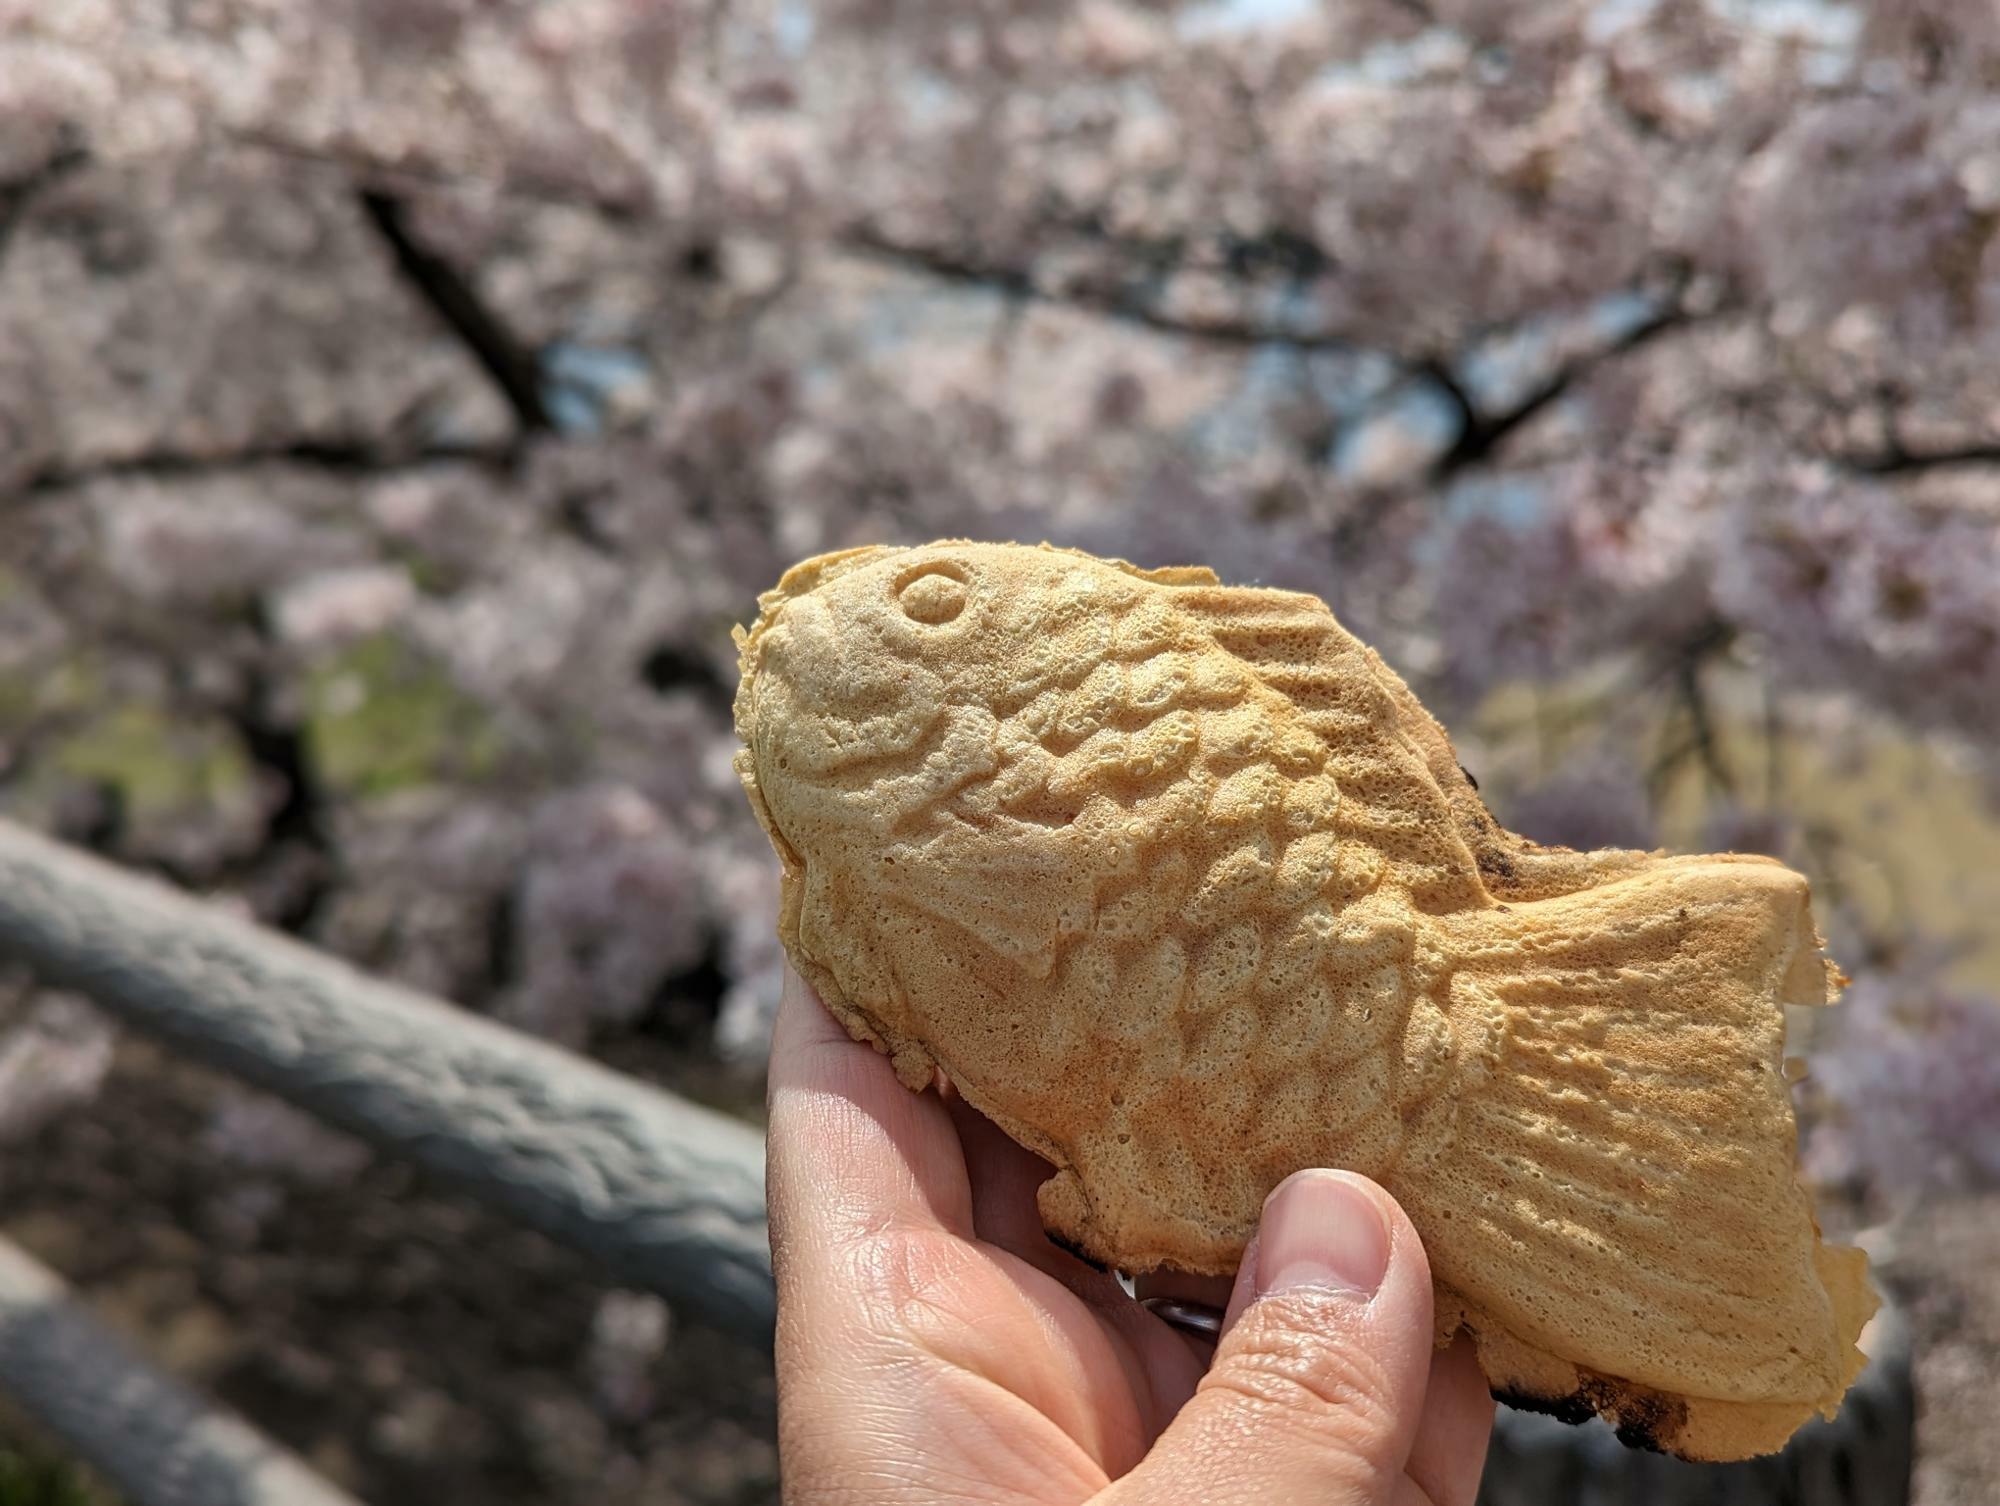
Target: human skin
<point>934,1346</point>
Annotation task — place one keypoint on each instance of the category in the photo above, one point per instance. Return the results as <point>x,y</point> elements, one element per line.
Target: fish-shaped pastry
<point>1180,885</point>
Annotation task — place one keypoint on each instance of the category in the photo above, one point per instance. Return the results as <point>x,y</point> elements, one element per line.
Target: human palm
<point>934,1346</point>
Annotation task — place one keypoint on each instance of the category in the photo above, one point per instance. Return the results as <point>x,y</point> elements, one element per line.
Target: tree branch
<point>1012,282</point>
<point>351,457</point>
<point>1482,433</point>
<point>1685,663</point>
<point>512,365</point>
<point>15,197</point>
<point>1416,10</point>
<point>1897,461</point>
<point>1705,744</point>
<point>1438,372</point>
<point>626,206</point>
<point>277,744</point>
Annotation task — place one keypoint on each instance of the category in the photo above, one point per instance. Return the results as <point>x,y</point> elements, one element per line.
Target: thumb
<point>1316,1387</point>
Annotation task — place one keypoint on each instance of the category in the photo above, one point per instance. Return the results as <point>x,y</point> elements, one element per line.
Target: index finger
<point>850,1152</point>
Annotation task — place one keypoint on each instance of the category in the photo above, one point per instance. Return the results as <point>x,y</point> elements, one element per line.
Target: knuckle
<point>1319,1380</point>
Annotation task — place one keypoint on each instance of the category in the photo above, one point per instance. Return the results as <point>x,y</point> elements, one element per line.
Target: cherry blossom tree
<point>399,401</point>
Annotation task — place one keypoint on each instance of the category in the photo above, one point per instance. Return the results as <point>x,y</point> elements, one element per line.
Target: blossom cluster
<point>399,402</point>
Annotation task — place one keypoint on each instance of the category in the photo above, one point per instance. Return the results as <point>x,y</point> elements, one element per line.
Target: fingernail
<point>1320,1229</point>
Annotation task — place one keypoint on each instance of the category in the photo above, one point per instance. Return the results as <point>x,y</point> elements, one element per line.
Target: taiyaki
<point>1180,885</point>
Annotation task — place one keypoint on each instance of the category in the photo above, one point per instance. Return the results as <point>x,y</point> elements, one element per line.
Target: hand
<point>934,1346</point>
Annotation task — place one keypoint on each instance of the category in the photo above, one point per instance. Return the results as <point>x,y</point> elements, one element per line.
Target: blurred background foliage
<point>39,1483</point>
<point>401,399</point>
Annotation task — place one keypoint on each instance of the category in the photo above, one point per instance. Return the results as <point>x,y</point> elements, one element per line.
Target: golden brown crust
<point>1184,889</point>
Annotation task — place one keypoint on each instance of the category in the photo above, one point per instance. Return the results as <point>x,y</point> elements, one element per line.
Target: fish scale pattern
<point>1268,947</point>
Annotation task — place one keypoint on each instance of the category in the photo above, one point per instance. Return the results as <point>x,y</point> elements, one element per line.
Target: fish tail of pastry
<point>1619,1178</point>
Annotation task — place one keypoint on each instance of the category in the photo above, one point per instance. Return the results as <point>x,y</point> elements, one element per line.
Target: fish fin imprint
<point>1391,745</point>
<point>1017,900</point>
<point>1391,798</point>
<point>1511,866</point>
<point>1623,1146</point>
